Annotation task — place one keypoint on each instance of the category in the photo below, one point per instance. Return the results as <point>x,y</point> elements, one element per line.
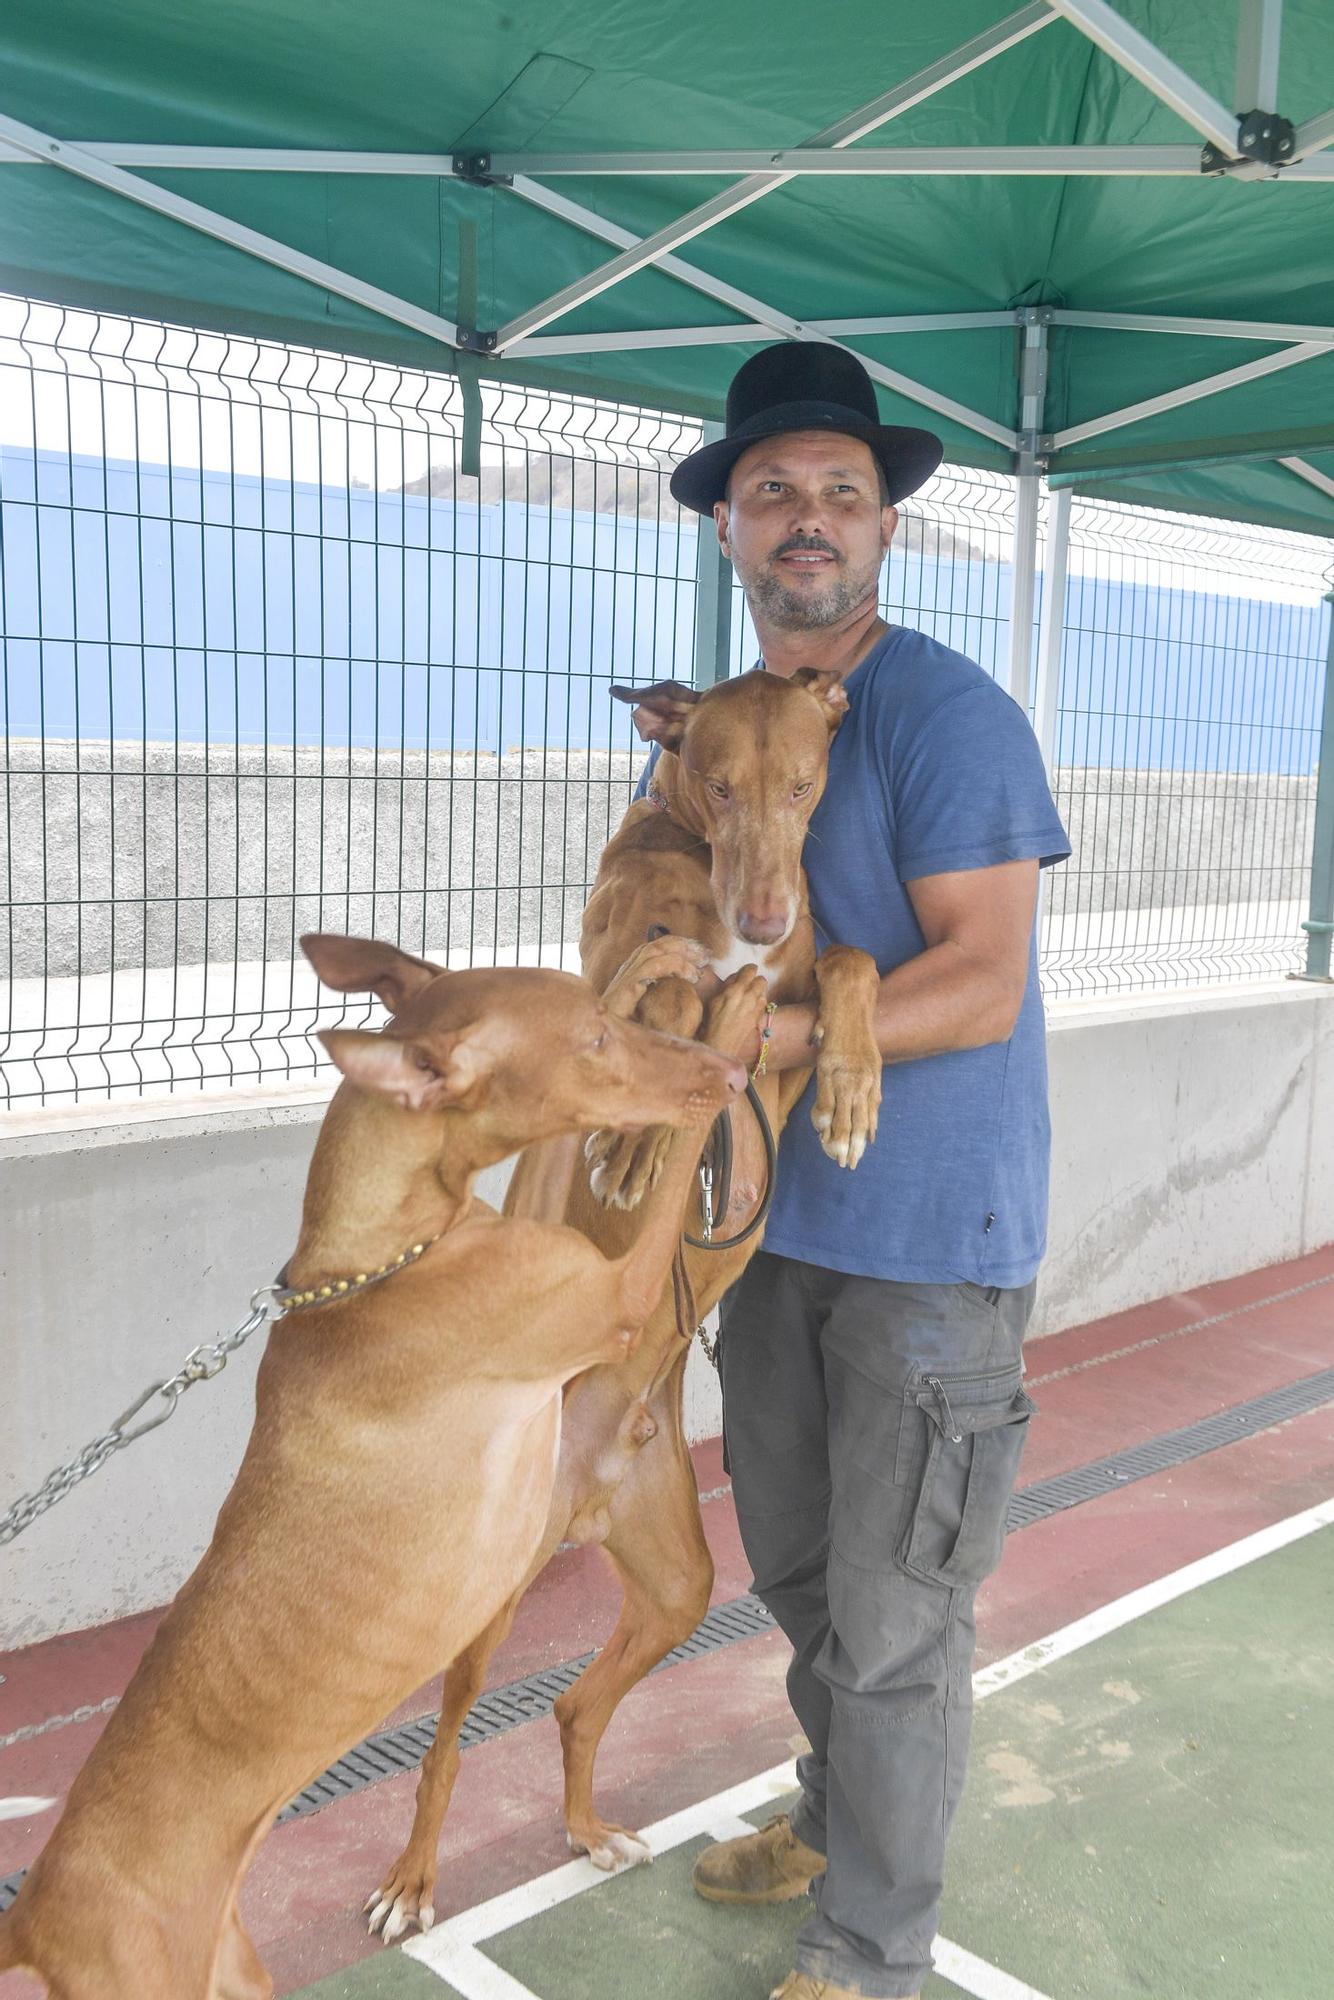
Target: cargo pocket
<point>970,1432</point>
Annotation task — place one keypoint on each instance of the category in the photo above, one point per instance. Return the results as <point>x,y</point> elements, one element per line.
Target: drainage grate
<point>1090,1482</point>
<point>393,1751</point>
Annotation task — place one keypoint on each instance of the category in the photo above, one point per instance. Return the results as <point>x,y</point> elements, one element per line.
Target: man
<point>871,1354</point>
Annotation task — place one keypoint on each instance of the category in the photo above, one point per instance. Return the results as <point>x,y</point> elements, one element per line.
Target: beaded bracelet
<point>762,1065</point>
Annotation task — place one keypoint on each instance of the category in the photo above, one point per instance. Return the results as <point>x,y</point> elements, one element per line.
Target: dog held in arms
<point>714,853</point>
<point>399,1474</point>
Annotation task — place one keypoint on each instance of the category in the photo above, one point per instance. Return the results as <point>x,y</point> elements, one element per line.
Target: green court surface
<point>1145,1816</point>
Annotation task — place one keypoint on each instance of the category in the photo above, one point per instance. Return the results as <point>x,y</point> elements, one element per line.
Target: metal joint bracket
<point>1034,315</point>
<point>471,340</point>
<point>476,169</point>
<point>1263,139</point>
<point>1031,451</point>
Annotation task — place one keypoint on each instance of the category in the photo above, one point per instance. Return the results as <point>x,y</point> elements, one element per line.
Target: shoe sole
<point>788,1894</point>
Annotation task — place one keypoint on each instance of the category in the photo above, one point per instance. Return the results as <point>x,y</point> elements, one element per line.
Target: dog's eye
<point>718,789</point>
<point>603,1039</point>
<point>802,791</point>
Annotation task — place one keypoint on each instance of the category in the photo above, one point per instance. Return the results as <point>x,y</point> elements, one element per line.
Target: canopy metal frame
<point>833,150</point>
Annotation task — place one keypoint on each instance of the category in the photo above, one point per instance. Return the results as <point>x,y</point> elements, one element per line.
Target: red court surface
<point>700,1727</point>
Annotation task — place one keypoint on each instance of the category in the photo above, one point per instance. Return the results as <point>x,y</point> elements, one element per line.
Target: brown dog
<point>400,1469</point>
<point>716,857</point>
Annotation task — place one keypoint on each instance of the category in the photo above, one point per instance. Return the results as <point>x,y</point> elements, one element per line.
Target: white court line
<point>451,1948</point>
<point>974,1975</point>
<point>719,1816</point>
<point>1136,1602</point>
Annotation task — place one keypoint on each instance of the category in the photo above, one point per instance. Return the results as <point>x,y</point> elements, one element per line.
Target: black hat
<point>804,385</point>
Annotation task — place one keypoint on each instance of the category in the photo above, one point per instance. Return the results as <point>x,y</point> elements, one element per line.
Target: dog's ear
<point>661,711</point>
<point>453,1071</point>
<point>828,690</point>
<point>361,965</point>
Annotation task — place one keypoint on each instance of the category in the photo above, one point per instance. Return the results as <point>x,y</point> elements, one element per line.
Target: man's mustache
<point>802,545</point>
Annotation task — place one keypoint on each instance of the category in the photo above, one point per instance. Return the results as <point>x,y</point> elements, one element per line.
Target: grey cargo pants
<point>873,1433</point>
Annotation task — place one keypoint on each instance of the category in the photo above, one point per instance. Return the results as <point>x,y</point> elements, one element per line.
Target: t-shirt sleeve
<point>641,789</point>
<point>972,791</point>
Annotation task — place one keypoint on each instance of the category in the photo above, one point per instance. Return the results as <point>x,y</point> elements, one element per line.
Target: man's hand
<point>964,991</point>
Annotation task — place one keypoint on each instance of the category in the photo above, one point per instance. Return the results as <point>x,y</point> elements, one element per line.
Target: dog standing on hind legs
<point>714,853</point>
<point>354,1555</point>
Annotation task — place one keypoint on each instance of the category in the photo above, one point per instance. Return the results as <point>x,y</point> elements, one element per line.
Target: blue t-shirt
<point>934,769</point>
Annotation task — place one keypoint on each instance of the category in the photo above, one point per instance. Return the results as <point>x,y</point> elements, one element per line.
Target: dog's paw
<point>846,1112</point>
<point>665,957</point>
<point>610,1848</point>
<point>402,1904</point>
<point>621,1168</point>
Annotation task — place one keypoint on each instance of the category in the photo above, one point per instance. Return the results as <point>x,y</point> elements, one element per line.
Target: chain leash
<point>200,1365</point>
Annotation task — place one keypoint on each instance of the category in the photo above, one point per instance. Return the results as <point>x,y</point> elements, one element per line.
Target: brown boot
<point>771,1866</point>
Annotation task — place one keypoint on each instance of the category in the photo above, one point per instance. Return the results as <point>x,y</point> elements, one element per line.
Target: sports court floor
<point>1147,1806</point>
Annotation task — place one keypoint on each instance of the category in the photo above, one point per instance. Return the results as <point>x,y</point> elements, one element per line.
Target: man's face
<point>804,527</point>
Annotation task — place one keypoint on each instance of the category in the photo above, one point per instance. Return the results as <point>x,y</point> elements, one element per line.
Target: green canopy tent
<point>1088,242</point>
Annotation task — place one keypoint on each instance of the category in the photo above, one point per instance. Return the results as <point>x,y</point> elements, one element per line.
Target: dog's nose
<point>758,928</point>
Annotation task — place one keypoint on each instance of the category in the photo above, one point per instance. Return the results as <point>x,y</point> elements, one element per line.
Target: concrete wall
<point>1192,1140</point>
<point>134,854</point>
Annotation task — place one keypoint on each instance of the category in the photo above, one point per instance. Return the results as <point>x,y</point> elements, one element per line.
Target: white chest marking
<point>740,953</point>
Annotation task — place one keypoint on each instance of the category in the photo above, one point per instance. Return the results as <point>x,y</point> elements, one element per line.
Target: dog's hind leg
<point>657,1545</point>
<point>241,1974</point>
<point>403,1899</point>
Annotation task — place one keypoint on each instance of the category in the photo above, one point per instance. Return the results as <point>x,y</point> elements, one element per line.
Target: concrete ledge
<point>1191,1142</point>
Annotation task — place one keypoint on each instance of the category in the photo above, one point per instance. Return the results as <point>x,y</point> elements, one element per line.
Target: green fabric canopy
<point>412,76</point>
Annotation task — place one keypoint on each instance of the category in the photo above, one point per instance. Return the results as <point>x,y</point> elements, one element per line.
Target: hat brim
<point>908,457</point>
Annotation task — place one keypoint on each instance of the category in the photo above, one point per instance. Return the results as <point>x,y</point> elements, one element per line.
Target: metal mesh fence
<point>1187,742</point>
<point>272,662</point>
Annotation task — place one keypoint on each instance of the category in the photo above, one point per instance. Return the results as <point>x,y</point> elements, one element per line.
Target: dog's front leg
<point>848,1065</point>
<point>657,985</point>
<point>734,1018</point>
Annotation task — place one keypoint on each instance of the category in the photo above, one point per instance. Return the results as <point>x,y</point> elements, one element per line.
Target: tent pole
<point>1051,632</point>
<point>1319,924</point>
<point>1051,646</point>
<point>1034,321</point>
<point>1259,28</point>
<point>713,596</point>
<point>1023,572</point>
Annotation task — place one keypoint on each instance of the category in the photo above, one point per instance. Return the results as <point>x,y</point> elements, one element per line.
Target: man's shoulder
<point>911,676</point>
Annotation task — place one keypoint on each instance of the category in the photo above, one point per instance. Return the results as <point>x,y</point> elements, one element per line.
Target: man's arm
<point>964,991</point>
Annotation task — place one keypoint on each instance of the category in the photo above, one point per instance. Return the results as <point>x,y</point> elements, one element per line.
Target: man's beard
<point>800,611</point>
